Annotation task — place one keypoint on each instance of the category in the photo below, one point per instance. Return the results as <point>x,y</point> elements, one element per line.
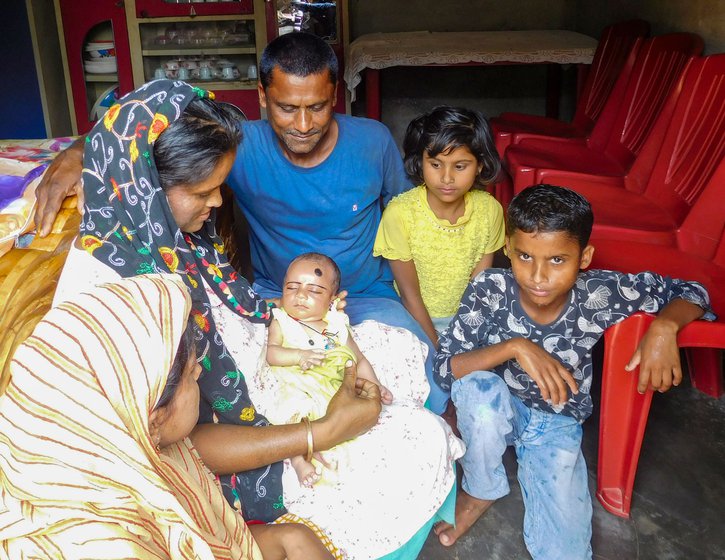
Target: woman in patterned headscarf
<point>152,172</point>
<point>93,457</point>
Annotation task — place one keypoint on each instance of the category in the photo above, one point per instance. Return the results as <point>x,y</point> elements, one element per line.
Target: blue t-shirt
<point>333,208</point>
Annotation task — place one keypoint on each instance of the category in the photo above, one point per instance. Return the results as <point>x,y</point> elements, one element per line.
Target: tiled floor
<point>678,508</point>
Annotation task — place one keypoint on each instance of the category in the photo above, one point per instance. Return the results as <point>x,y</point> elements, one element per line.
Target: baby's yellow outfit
<point>444,254</point>
<point>307,393</point>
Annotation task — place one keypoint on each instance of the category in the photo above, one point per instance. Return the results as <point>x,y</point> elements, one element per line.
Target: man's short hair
<point>547,209</point>
<point>300,54</point>
<point>322,259</point>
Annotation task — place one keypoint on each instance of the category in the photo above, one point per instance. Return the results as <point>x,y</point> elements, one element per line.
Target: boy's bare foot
<point>468,510</point>
<point>306,473</point>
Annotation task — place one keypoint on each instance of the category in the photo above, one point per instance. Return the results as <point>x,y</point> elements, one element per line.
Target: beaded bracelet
<point>310,442</point>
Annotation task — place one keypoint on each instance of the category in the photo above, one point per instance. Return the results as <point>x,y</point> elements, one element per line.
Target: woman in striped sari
<point>94,460</point>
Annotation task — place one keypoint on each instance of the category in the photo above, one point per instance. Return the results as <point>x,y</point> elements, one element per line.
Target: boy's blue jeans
<point>391,312</point>
<point>552,472</point>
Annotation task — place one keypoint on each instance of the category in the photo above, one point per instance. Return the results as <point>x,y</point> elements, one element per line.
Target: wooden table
<point>373,52</point>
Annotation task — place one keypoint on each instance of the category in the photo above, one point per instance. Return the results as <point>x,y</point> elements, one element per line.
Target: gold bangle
<point>310,442</point>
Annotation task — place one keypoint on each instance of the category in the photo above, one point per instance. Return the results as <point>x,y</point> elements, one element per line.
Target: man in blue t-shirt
<point>308,179</point>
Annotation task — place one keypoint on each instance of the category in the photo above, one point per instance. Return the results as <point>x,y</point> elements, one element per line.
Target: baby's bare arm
<point>278,355</point>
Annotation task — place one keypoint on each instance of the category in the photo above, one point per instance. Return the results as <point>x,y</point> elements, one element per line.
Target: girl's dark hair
<point>187,346</point>
<point>547,209</point>
<point>300,54</point>
<point>190,148</point>
<point>446,128</point>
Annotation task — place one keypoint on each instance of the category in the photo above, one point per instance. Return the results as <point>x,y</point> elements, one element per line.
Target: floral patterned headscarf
<point>128,225</point>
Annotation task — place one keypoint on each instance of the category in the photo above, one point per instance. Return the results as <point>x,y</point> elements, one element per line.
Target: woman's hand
<point>352,411</point>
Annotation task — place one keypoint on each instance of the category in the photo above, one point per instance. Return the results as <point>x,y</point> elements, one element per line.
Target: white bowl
<point>100,66</point>
<point>101,50</point>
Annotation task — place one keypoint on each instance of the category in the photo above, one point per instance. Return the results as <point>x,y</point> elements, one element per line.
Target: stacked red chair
<point>650,202</point>
<point>698,254</point>
<point>610,58</point>
<point>620,132</point>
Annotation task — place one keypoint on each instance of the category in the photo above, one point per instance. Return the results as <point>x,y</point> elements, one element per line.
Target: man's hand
<point>658,357</point>
<point>548,373</point>
<point>61,179</point>
<point>340,301</point>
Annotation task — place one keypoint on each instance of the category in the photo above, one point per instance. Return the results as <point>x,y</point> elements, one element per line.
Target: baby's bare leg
<point>289,540</point>
<point>306,472</point>
<point>365,371</point>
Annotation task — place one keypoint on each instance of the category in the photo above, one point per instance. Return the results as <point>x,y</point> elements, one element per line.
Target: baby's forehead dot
<point>318,272</point>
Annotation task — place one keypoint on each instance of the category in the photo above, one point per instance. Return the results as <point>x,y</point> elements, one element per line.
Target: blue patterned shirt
<point>490,312</point>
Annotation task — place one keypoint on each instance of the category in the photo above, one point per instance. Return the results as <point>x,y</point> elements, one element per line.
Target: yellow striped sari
<point>79,474</point>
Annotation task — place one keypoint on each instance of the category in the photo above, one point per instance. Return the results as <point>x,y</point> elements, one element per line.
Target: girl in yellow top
<point>437,236</point>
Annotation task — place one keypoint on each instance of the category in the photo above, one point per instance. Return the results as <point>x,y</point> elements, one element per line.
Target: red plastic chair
<point>620,132</point>
<point>624,411</point>
<point>700,255</point>
<point>652,201</point>
<point>612,52</point>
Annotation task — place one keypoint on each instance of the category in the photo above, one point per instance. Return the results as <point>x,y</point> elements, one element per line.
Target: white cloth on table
<point>421,48</point>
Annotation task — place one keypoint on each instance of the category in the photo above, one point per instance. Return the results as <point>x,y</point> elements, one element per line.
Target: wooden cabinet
<point>215,45</point>
<point>154,38</point>
<point>84,22</point>
<point>175,8</point>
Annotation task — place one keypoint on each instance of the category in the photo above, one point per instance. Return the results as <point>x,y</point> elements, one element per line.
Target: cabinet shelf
<point>215,85</point>
<point>178,19</point>
<point>102,77</point>
<point>198,51</point>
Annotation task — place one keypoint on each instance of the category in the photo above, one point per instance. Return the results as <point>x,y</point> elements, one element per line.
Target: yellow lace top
<point>444,254</point>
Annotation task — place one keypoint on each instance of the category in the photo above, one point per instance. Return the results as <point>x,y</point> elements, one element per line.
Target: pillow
<point>17,199</point>
<point>22,163</point>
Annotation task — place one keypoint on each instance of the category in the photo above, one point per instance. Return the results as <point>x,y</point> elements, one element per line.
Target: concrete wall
<point>409,91</point>
<point>704,17</point>
<point>369,16</point>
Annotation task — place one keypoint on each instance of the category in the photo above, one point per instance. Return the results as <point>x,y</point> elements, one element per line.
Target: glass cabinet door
<point>213,51</point>
<point>322,18</point>
<point>312,16</point>
<point>98,57</point>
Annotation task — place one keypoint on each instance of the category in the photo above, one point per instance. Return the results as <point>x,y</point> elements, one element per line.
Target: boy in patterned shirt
<point>517,359</point>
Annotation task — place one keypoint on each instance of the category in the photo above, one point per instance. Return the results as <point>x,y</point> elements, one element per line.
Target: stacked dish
<point>107,98</point>
<point>100,58</point>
